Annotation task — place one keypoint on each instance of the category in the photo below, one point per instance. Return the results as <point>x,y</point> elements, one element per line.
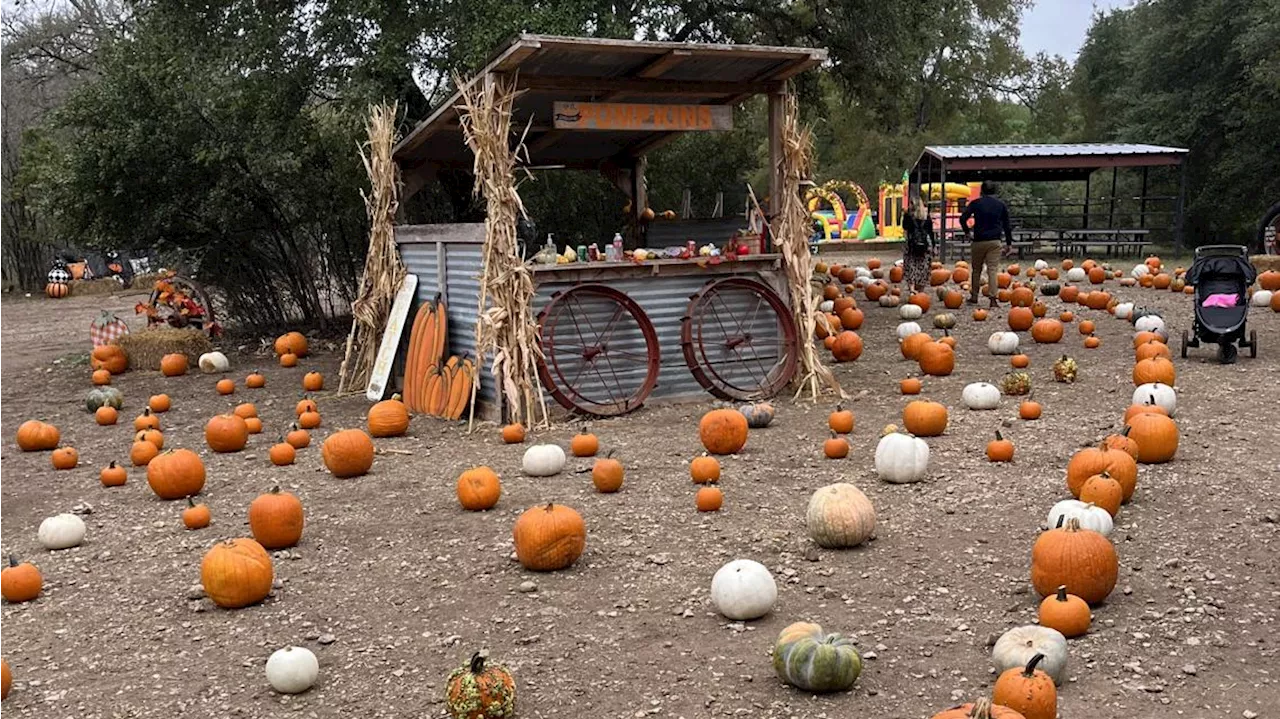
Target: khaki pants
<point>986,253</point>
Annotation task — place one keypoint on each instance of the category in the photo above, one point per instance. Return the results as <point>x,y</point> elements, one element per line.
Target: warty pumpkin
<point>723,431</point>
<point>477,690</point>
<point>226,433</point>
<point>808,658</point>
<point>347,453</point>
<point>36,436</point>
<point>1029,690</point>
<point>1065,612</point>
<point>549,537</point>
<point>176,474</point>
<point>236,573</point>
<point>478,489</point>
<point>20,582</point>
<point>1082,560</point>
<point>981,709</point>
<point>276,519</point>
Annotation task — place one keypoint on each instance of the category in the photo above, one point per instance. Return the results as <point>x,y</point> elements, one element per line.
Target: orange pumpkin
<point>723,431</point>
<point>1092,342</point>
<point>65,458</point>
<point>937,359</point>
<point>176,474</point>
<point>1022,297</point>
<point>154,436</point>
<point>159,403</point>
<point>245,410</point>
<point>36,436</point>
<point>1046,331</point>
<point>1154,369</point>
<point>113,475</point>
<point>282,454</point>
<point>1070,293</point>
<point>236,573</point>
<point>1028,691</point>
<point>289,359</point>
<point>298,437</point>
<point>980,315</point>
<point>960,275</point>
<point>142,453</point>
<point>173,364</point>
<point>388,418</point>
<point>1103,491</point>
<point>1151,349</point>
<point>704,469</point>
<point>999,449</point>
<point>291,343</point>
<point>836,447</point>
<point>1020,319</point>
<point>306,404</point>
<point>1097,460</point>
<point>106,415</point>
<point>309,420</point>
<point>1029,409</point>
<point>911,346</point>
<point>226,433</point>
<point>953,299</point>
<point>981,709</point>
<point>851,318</point>
<point>1081,559</point>
<point>1020,361</point>
<point>20,582</point>
<point>513,433</point>
<point>847,346</point>
<point>1097,275</point>
<point>347,453</point>
<point>313,382</point>
<point>478,489</point>
<point>924,418</point>
<point>1066,317</point>
<point>196,516</point>
<point>921,300</point>
<point>1156,435</point>
<point>110,357</point>
<point>276,519</point>
<point>1144,337</point>
<point>255,380</point>
<point>709,498</point>
<point>939,277</point>
<point>225,386</point>
<point>549,537</point>
<point>911,385</point>
<point>101,377</point>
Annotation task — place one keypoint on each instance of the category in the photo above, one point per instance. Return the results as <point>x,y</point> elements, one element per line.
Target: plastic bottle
<point>617,247</point>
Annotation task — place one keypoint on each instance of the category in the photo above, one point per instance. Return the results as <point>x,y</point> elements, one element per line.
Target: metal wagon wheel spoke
<point>600,351</point>
<point>739,339</point>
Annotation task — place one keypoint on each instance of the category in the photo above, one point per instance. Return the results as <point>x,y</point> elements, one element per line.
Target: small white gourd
<point>1124,310</point>
<point>906,329</point>
<point>1015,648</point>
<point>1139,271</point>
<point>1157,393</point>
<point>292,670</point>
<point>1149,323</point>
<point>827,306</point>
<point>1003,343</point>
<point>1090,516</point>
<point>910,312</point>
<point>1041,265</point>
<point>981,395</point>
<point>543,460</point>
<point>61,531</point>
<point>1077,274</point>
<point>743,589</point>
<point>214,362</point>
<point>1261,298</point>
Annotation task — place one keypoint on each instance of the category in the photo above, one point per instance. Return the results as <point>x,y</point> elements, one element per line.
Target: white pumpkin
<point>61,531</point>
<point>1041,265</point>
<point>1261,298</point>
<point>214,362</point>
<point>743,589</point>
<point>1124,310</point>
<point>1139,271</point>
<point>292,670</point>
<point>862,281</point>
<point>1077,274</point>
<point>826,306</point>
<point>981,395</point>
<point>1015,648</point>
<point>543,460</point>
<point>1090,516</point>
<point>1157,393</point>
<point>906,329</point>
<point>1149,323</point>
<point>861,272</point>
<point>902,458</point>
<point>1003,343</point>
<point>910,312</point>
<point>887,300</point>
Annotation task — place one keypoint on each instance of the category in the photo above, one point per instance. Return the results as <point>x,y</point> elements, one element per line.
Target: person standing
<point>917,253</point>
<point>990,221</point>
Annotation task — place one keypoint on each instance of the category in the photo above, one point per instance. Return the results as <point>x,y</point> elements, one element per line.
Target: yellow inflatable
<point>954,191</point>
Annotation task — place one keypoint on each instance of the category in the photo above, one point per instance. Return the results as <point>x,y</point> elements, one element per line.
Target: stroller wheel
<point>1227,353</point>
<point>1184,344</point>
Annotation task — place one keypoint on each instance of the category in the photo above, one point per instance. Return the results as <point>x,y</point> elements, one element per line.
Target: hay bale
<point>146,282</point>
<point>102,286</point>
<point>146,348</point>
<point>1264,263</point>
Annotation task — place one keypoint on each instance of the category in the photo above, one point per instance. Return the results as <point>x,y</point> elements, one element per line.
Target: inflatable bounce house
<point>893,203</point>
<point>831,217</point>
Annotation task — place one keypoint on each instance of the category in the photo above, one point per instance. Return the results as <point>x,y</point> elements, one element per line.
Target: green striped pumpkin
<point>810,659</point>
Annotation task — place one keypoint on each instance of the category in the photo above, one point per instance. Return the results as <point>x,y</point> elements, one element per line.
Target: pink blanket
<point>1221,301</point>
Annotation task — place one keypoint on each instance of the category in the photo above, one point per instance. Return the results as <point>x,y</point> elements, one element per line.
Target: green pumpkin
<point>1050,289</point>
<point>944,321</point>
<point>812,660</point>
<point>103,397</point>
<point>758,415</point>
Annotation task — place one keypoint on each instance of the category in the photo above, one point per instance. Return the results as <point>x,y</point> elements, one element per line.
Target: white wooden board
<point>391,339</point>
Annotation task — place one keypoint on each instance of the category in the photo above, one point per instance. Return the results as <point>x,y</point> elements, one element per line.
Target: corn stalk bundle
<point>792,240</point>
<point>383,271</point>
<point>505,329</point>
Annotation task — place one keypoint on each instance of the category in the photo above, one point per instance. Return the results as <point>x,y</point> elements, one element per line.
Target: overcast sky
<point>1058,27</point>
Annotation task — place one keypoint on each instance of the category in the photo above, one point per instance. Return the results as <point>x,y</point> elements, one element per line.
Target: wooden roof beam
<point>638,86</point>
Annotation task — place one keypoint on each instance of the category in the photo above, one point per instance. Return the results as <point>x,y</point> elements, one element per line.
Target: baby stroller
<point>1221,275</point>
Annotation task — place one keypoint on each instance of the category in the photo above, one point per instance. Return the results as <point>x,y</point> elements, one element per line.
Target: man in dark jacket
<point>990,220</point>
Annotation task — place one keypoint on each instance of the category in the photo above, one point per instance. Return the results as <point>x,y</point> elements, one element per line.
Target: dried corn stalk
<point>792,240</point>
<point>505,328</point>
<point>383,271</point>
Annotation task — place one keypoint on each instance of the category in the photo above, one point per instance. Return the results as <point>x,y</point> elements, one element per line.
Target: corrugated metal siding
<point>1049,150</point>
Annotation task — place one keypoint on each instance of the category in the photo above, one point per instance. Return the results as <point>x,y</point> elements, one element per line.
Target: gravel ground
<point>393,584</point>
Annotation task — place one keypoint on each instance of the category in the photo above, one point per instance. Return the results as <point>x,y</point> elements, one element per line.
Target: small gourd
<point>292,670</point>
<point>743,589</point>
<point>543,460</point>
<point>62,531</point>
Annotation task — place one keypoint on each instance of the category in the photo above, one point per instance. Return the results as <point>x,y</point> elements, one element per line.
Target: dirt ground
<point>393,584</point>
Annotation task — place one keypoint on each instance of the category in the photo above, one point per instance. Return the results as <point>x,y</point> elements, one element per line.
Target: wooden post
<point>1085,218</point>
<point>639,194</point>
<point>1181,206</point>
<point>942,214</point>
<point>1111,212</point>
<point>1142,201</point>
<point>777,106</point>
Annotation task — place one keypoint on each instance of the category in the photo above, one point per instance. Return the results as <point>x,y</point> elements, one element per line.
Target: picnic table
<point>1116,242</point>
<point>957,243</point>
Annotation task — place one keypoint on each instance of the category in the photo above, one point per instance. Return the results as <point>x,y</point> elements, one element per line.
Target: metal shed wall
<point>449,256</point>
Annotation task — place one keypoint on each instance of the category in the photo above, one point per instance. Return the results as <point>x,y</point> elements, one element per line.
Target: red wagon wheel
<point>739,339</point>
<point>599,351</point>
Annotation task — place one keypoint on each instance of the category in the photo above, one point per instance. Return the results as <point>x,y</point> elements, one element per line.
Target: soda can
<point>582,253</point>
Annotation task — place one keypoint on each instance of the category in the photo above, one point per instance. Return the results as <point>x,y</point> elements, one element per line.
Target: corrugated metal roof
<point>1048,150</point>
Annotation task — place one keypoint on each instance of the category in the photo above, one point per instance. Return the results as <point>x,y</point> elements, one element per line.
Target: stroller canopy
<point>1222,266</point>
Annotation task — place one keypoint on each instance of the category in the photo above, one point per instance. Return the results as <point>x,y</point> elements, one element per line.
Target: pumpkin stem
<point>1061,519</point>
<point>1031,665</point>
<point>13,560</point>
<point>999,438</point>
<point>1062,593</point>
<point>551,506</point>
<point>190,503</point>
<point>275,489</point>
<point>981,709</point>
<point>112,465</point>
<point>1073,524</point>
<point>477,663</point>
<point>1153,400</point>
